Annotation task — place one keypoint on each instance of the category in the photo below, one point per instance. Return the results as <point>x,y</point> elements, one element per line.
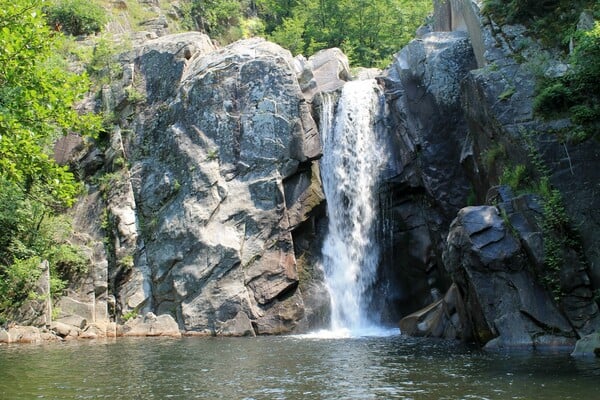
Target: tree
<point>369,32</point>
<point>215,17</point>
<point>274,12</point>
<point>37,94</point>
<point>36,103</point>
<point>290,34</point>
<point>76,17</point>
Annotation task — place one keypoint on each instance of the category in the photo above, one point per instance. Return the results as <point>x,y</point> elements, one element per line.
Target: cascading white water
<point>352,158</point>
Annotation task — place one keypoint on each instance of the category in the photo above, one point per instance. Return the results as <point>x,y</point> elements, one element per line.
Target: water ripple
<point>392,367</point>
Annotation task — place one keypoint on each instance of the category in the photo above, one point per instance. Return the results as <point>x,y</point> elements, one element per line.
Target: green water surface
<point>288,368</point>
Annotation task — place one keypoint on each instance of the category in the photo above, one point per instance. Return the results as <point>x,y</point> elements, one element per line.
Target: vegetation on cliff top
<point>369,32</point>
<point>554,21</point>
<point>576,94</point>
<point>76,17</point>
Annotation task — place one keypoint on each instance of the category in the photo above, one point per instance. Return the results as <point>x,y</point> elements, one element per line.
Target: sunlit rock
<point>151,325</point>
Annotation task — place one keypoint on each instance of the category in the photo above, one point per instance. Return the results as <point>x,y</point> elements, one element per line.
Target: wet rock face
<point>221,175</point>
<point>446,318</point>
<point>495,253</point>
<point>425,184</point>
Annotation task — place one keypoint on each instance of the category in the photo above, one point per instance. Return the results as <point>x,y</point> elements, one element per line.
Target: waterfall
<point>352,159</point>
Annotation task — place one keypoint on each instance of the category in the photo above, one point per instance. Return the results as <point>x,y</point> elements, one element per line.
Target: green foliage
<point>369,32</point>
<point>67,259</point>
<point>103,66</point>
<point>108,181</point>
<point>559,236</point>
<point>472,198</point>
<point>176,186</point>
<point>252,27</point>
<point>215,17</point>
<point>274,12</point>
<point>554,21</point>
<point>25,231</point>
<point>290,34</point>
<point>129,315</point>
<point>556,240</point>
<point>212,154</point>
<point>30,232</point>
<point>554,96</point>
<point>36,99</point>
<point>511,11</point>
<point>576,94</point>
<point>18,282</point>
<point>119,162</point>
<point>127,262</point>
<point>134,96</point>
<point>507,93</point>
<point>515,177</point>
<point>37,94</point>
<point>225,20</point>
<point>586,61</point>
<point>493,155</point>
<point>76,17</point>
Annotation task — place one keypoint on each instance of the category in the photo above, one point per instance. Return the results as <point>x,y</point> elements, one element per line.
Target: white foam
<point>344,333</point>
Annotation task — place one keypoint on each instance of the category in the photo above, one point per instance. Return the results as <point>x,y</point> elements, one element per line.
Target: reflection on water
<point>391,367</point>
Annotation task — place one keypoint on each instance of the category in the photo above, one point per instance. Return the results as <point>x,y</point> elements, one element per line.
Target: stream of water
<point>349,168</point>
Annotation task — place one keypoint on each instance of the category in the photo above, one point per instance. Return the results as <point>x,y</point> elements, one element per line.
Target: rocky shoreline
<point>149,325</point>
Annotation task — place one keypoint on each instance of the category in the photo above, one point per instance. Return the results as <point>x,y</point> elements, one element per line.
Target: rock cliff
<point>522,286</point>
<point>205,201</point>
<point>210,187</point>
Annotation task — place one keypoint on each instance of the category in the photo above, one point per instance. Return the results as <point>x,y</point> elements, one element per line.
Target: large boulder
<point>65,331</point>
<point>240,325</point>
<point>151,325</point>
<point>26,334</point>
<point>220,146</point>
<point>330,69</point>
<point>493,255</point>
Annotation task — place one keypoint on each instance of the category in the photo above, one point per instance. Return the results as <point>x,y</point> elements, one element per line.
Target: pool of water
<point>392,367</point>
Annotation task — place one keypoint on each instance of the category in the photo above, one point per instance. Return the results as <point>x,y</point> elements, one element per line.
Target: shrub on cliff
<point>76,17</point>
<point>214,17</point>
<point>553,21</point>
<point>577,94</point>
